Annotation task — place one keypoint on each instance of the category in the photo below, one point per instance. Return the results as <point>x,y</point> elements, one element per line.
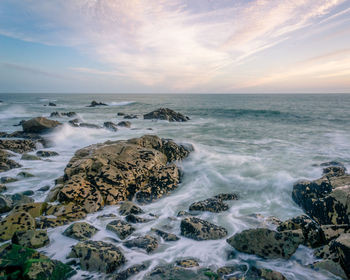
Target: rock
<point>331,232</point>
<point>20,198</point>
<point>18,221</point>
<point>341,246</point>
<point>121,228</point>
<point>146,242</point>
<point>80,231</point>
<point>17,262</point>
<point>165,235</point>
<point>187,263</point>
<point>198,229</point>
<point>267,243</point>
<point>110,125</point>
<point>174,151</point>
<point>7,180</point>
<point>334,171</point>
<point>34,209</point>
<point>53,193</point>
<point>183,213</point>
<point>18,146</point>
<point>135,219</point>
<point>29,157</point>
<point>230,269</point>
<point>166,114</point>
<point>331,266</point>
<point>311,230</point>
<point>124,124</point>
<point>332,163</point>
<point>46,153</point>
<point>28,193</point>
<point>98,256</point>
<point>63,114</point>
<point>211,204</point>
<point>31,238</point>
<point>130,117</point>
<point>6,163</point>
<point>20,123</point>
<point>24,174</point>
<point>171,271</point>
<point>75,122</point>
<point>6,204</point>
<point>264,273</point>
<point>129,272</point>
<point>325,200</point>
<point>70,211</point>
<point>227,196</point>
<point>128,208</point>
<point>94,104</point>
<point>117,171</point>
<point>2,188</point>
<point>120,114</point>
<point>106,216</point>
<point>52,104</point>
<point>44,189</point>
<point>44,222</point>
<point>89,125</point>
<point>39,125</point>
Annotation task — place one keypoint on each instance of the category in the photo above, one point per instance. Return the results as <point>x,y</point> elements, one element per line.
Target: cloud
<point>31,70</point>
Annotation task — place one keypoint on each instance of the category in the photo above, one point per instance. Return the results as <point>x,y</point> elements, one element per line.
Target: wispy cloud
<point>31,70</point>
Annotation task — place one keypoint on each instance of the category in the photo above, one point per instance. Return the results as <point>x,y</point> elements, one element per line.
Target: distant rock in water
<point>130,117</point>
<point>124,124</point>
<point>52,104</point>
<point>63,114</point>
<point>78,123</point>
<point>20,123</point>
<point>94,104</point>
<point>110,126</point>
<point>166,114</point>
<point>39,125</point>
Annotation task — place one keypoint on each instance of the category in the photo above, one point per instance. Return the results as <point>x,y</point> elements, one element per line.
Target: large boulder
<point>198,229</point>
<point>166,114</point>
<point>18,145</point>
<point>98,256</point>
<point>80,231</point>
<point>105,174</point>
<point>326,200</point>
<point>267,243</point>
<point>39,125</point>
<point>18,221</point>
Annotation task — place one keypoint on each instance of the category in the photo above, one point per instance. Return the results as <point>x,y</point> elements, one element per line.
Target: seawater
<point>254,145</point>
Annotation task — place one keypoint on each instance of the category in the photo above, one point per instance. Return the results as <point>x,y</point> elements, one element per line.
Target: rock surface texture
<point>166,114</point>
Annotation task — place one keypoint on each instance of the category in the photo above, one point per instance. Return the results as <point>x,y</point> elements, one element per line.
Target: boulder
<point>34,209</point>
<point>130,117</point>
<point>52,104</point>
<point>172,271</point>
<point>124,124</point>
<point>330,232</point>
<point>227,196</point>
<point>29,157</point>
<point>80,231</point>
<point>165,235</point>
<point>147,242</point>
<point>39,125</point>
<point>18,221</point>
<point>24,174</point>
<point>110,126</point>
<point>31,238</point>
<point>121,228</point>
<point>94,104</point>
<point>198,229</point>
<point>341,246</point>
<point>18,146</point>
<point>128,208</point>
<point>98,256</point>
<point>6,203</point>
<point>129,272</point>
<point>187,263</point>
<point>136,219</point>
<point>166,114</point>
<point>7,180</point>
<point>211,204</point>
<point>267,243</point>
<point>6,163</point>
<point>46,153</point>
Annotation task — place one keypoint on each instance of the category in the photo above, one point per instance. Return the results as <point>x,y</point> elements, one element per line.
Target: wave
<point>14,111</point>
<point>121,103</point>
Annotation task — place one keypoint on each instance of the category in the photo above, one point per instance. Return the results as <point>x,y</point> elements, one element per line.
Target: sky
<point>178,46</point>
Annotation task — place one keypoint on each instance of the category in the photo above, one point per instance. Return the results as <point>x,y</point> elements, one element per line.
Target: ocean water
<point>254,145</point>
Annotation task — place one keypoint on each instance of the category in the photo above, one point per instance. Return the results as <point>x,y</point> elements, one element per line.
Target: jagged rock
<point>341,246</point>
<point>18,146</point>
<point>121,228</point>
<point>124,124</point>
<point>39,125</point>
<point>110,125</point>
<point>94,104</point>
<point>165,235</point>
<point>18,221</point>
<point>187,263</point>
<point>46,153</point>
<point>331,232</point>
<point>135,219</point>
<point>6,163</point>
<point>34,209</point>
<point>52,104</point>
<point>80,231</point>
<point>6,204</point>
<point>17,262</point>
<point>198,229</point>
<point>227,196</point>
<point>211,204</point>
<point>31,238</point>
<point>61,114</point>
<point>29,157</point>
<point>129,272</point>
<point>146,242</point>
<point>115,171</point>
<point>128,208</point>
<point>98,256</point>
<point>172,271</point>
<point>7,180</point>
<point>130,117</point>
<point>166,114</point>
<point>267,243</point>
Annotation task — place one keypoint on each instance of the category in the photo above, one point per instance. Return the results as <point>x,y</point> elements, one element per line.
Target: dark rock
<point>6,204</point>
<point>227,196</point>
<point>110,125</point>
<point>20,123</point>
<point>63,114</point>
<point>6,163</point>
<point>124,124</point>
<point>146,242</point>
<point>19,199</point>
<point>334,171</point>
<point>129,272</point>
<point>330,232</point>
<point>80,231</point>
<point>98,256</point>
<point>187,263</point>
<point>165,235</point>
<point>46,153</point>
<point>29,157</point>
<point>121,228</point>
<point>7,180</point>
<point>75,122</point>
<point>28,193</point>
<point>172,271</point>
<point>31,238</point>
<point>135,219</point>
<point>39,125</point>
<point>341,246</point>
<point>128,208</point>
<point>166,114</point>
<point>331,266</point>
<point>332,163</point>
<point>18,221</point>
<point>52,104</point>
<point>211,204</point>
<point>267,243</point>
<point>198,229</point>
<point>44,189</point>
<point>94,104</point>
<point>120,114</point>
<point>130,117</point>
<point>24,174</point>
<point>2,188</point>
<point>183,213</point>
<point>18,146</point>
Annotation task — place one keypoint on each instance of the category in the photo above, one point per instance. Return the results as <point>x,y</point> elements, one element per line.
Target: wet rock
<point>7,180</point>
<point>255,273</point>
<point>2,188</point>
<point>6,163</point>
<point>121,228</point>
<point>70,211</point>
<point>44,189</point>
<point>28,193</point>
<point>334,171</point>
<point>231,270</point>
<point>146,242</point>
<point>46,153</point>
<point>20,198</point>
<point>227,196</point>
<point>18,146</point>
<point>52,104</point>
<point>183,213</point>
<point>24,174</point>
<point>98,256</point>
<point>129,272</point>
<point>6,204</point>
<point>332,163</point>
<point>198,229</point>
<point>311,230</point>
<point>18,221</point>
<point>120,114</point>
<point>331,232</point>
<point>31,238</point>
<point>63,114</point>
<point>341,246</point>
<point>17,262</point>
<point>29,157</point>
<point>94,104</point>
<point>130,117</point>
<point>110,125</point>
<point>172,271</point>
<point>187,263</point>
<point>211,204</point>
<point>124,124</point>
<point>20,123</point>
<point>106,216</point>
<point>39,125</point>
<point>331,266</point>
<point>89,125</point>
<point>136,219</point>
<point>166,114</point>
<point>174,151</point>
<point>165,235</point>
<point>80,231</point>
<point>75,122</point>
<point>128,208</point>
<point>44,222</point>
<point>34,209</point>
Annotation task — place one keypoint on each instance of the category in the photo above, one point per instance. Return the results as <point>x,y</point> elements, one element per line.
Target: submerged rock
<point>124,124</point>
<point>166,114</point>
<point>39,125</point>
<point>130,117</point>
<point>29,157</point>
<point>227,196</point>
<point>98,256</point>
<point>146,242</point>
<point>165,235</point>
<point>211,204</point>
<point>52,104</point>
<point>46,153</point>
<point>121,228</point>
<point>31,238</point>
<point>94,104</point>
<point>24,174</point>
<point>63,114</point>
<point>80,231</point>
<point>198,229</point>
<point>110,125</point>
<point>136,219</point>
<point>7,180</point>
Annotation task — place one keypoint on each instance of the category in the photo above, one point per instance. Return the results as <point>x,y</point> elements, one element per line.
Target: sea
<point>255,145</point>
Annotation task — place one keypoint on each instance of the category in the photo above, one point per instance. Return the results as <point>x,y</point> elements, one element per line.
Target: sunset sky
<point>179,46</point>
